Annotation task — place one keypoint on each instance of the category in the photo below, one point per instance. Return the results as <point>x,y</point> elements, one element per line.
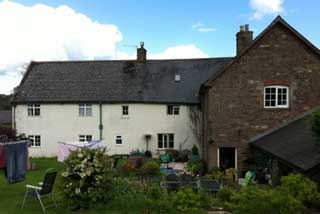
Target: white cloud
<point>265,7</point>
<point>41,32</point>
<point>200,27</point>
<point>179,52</point>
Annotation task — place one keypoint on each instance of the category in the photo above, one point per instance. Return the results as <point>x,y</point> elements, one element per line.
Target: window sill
<point>124,117</point>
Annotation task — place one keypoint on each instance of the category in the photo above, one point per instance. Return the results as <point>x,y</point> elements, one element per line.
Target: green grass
<point>11,195</point>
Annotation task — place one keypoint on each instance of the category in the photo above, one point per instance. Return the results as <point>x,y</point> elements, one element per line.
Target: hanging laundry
<point>15,158</point>
<point>66,147</point>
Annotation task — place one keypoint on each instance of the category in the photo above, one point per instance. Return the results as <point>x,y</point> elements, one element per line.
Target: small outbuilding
<point>291,148</point>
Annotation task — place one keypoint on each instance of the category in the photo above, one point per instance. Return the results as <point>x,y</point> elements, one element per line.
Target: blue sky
<point>109,29</point>
<point>166,23</point>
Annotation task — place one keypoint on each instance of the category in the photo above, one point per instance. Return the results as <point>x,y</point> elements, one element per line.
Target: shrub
<point>252,200</point>
<point>148,154</point>
<point>195,166</point>
<point>173,154</point>
<point>86,179</point>
<point>184,155</point>
<point>137,152</point>
<point>128,169</point>
<point>195,150</point>
<point>225,194</point>
<point>315,124</point>
<point>187,201</point>
<point>300,187</point>
<point>150,168</point>
<point>215,174</point>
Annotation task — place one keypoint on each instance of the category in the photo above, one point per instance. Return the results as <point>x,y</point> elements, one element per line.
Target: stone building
<point>271,80</point>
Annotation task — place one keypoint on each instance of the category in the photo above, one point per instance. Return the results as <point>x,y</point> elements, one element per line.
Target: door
<point>227,157</point>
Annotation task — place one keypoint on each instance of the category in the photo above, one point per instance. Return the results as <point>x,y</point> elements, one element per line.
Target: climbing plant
<point>315,124</point>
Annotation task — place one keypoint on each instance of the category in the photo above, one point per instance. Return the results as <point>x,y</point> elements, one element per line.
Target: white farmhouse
<point>130,104</point>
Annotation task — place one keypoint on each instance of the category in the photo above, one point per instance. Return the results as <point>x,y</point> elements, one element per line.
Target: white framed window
<point>276,97</point>
<point>34,110</point>
<point>119,140</point>
<point>125,110</point>
<point>35,140</point>
<point>166,141</point>
<point>85,110</point>
<point>173,110</point>
<point>85,138</point>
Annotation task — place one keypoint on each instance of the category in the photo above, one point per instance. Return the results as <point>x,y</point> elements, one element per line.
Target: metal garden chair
<point>45,190</point>
<point>211,186</point>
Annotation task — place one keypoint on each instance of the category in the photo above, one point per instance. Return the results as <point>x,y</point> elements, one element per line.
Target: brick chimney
<point>244,38</point>
<point>141,53</point>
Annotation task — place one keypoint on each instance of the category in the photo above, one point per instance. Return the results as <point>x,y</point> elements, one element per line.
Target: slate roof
<point>293,143</point>
<point>5,117</point>
<point>116,81</point>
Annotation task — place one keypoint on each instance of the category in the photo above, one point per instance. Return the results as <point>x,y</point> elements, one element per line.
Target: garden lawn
<point>11,195</point>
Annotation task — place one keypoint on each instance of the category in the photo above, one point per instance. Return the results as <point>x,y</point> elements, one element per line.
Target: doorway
<point>227,157</point>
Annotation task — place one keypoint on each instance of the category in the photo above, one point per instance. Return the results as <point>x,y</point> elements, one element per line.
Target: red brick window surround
<point>276,82</point>
<point>276,96</point>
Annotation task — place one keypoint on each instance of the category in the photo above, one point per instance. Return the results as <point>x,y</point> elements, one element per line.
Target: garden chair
<point>211,186</point>
<point>172,182</point>
<point>45,190</point>
<point>189,181</point>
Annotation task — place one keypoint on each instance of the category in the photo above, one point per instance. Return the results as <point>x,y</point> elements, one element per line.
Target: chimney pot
<point>246,27</point>
<point>141,53</point>
<point>242,28</point>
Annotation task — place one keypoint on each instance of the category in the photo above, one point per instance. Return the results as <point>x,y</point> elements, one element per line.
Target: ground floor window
<point>35,140</point>
<point>84,138</point>
<point>227,157</point>
<point>166,141</point>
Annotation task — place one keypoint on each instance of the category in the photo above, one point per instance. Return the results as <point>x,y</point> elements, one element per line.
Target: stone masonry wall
<point>235,110</point>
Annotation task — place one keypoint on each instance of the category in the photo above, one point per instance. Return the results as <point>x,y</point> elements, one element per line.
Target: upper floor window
<point>173,109</point>
<point>35,140</point>
<point>276,97</point>
<point>85,110</point>
<point>33,110</point>
<point>84,138</point>
<point>125,110</point>
<point>118,140</point>
<point>165,141</point>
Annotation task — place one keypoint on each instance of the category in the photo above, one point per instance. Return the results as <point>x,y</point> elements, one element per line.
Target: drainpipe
<point>100,122</point>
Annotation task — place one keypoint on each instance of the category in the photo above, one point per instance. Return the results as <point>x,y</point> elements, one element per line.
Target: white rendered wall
<point>61,122</point>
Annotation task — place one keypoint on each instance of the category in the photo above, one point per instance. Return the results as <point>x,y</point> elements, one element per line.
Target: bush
<point>195,166</point>
<point>315,124</point>
<point>150,168</point>
<point>187,201</point>
<point>184,155</point>
<point>195,150</point>
<point>215,174</point>
<point>300,187</point>
<point>225,194</point>
<point>148,154</point>
<point>137,152</point>
<point>128,169</point>
<point>86,179</point>
<point>252,200</point>
<point>173,154</point>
